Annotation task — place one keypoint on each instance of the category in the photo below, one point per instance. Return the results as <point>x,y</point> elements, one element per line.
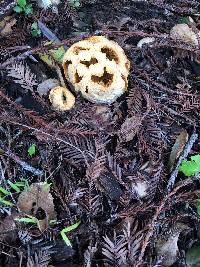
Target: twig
<point>23,164</point>
<point>184,155</point>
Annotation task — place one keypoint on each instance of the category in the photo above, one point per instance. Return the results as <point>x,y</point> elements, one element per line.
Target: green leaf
<point>66,230</point>
<point>13,186</point>
<point>28,10</point>
<point>34,26</point>
<point>26,184</point>
<point>29,219</point>
<point>32,150</point>
<point>191,167</point>
<point>35,30</point>
<point>21,3</point>
<point>58,53</point>
<point>6,202</point>
<point>17,9</point>
<point>4,191</point>
<point>53,222</point>
<point>20,184</point>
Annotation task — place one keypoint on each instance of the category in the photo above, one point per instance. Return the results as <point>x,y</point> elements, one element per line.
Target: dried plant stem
<point>23,164</point>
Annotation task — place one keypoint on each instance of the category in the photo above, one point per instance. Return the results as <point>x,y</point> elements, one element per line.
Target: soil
<point>109,171</point>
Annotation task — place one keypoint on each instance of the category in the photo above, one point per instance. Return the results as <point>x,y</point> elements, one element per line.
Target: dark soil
<point>95,157</point>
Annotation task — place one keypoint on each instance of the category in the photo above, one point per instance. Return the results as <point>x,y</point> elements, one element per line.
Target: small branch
<point>23,164</point>
<point>184,155</point>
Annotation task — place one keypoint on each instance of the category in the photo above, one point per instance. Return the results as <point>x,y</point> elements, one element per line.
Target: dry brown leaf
<point>167,245</point>
<point>6,25</point>
<point>36,200</point>
<point>177,148</point>
<point>8,228</point>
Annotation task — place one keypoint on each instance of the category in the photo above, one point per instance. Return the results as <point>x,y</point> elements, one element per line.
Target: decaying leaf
<point>8,228</point>
<point>37,202</point>
<point>167,244</point>
<point>130,127</point>
<point>177,148</point>
<point>6,25</point>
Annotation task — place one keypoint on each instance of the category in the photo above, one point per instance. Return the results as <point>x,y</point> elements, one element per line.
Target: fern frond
<point>116,250</point>
<point>133,239</point>
<point>22,75</point>
<point>151,138</point>
<point>135,100</point>
<point>89,254</point>
<point>41,259</point>
<point>78,149</point>
<point>114,167</point>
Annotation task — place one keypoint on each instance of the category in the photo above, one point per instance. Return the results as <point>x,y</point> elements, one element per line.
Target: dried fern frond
<point>116,250</point>
<point>133,239</point>
<point>135,100</point>
<point>22,75</point>
<point>41,259</point>
<point>79,149</point>
<point>89,254</point>
<point>115,168</point>
<point>152,139</point>
<point>98,165</point>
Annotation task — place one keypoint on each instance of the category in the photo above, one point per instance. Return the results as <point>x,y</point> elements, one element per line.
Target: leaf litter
<point>123,179</point>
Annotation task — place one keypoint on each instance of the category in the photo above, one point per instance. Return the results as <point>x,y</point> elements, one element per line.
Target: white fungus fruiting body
<point>184,33</point>
<point>61,98</point>
<point>98,68</point>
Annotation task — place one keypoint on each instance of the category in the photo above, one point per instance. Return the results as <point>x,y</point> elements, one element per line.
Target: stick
<point>23,164</point>
<point>184,155</point>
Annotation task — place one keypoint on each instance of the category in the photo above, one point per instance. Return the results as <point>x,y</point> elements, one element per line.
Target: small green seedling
<point>5,202</point>
<point>4,191</point>
<point>14,186</point>
<point>35,30</point>
<point>23,7</point>
<point>28,219</point>
<point>46,186</point>
<point>32,150</point>
<point>191,167</point>
<point>66,230</point>
<point>32,219</point>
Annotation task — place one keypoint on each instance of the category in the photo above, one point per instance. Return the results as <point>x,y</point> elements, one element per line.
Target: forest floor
<point>99,185</point>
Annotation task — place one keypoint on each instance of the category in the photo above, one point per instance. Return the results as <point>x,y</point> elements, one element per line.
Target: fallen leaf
<point>167,245</point>
<point>36,200</point>
<point>177,148</point>
<point>6,25</point>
